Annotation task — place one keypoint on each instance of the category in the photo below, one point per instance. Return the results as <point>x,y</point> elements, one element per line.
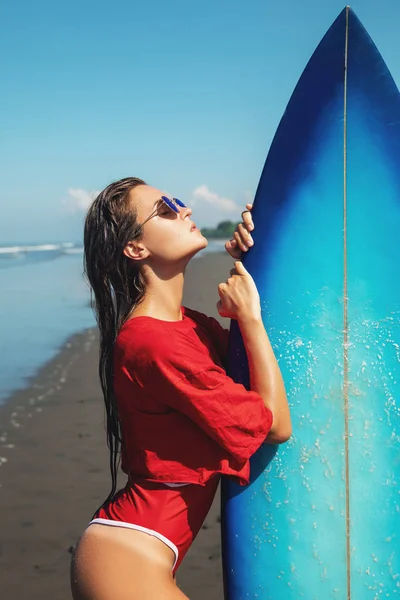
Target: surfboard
<point>321,517</point>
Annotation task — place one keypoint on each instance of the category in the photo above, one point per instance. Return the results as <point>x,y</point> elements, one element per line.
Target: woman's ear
<point>136,251</point>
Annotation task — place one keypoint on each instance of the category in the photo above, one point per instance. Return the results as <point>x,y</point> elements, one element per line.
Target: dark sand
<point>54,466</point>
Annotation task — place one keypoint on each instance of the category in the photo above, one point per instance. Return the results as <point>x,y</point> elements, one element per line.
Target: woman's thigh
<point>116,563</point>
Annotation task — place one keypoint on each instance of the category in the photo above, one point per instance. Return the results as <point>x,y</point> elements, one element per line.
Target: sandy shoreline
<point>54,465</point>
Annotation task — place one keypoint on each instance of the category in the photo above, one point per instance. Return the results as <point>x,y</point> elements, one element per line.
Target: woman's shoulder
<point>194,315</point>
<point>144,342</point>
<point>153,338</point>
<point>142,331</point>
<point>210,323</point>
<point>137,326</point>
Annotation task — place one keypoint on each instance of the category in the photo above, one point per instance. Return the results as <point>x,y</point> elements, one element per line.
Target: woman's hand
<point>242,239</point>
<point>239,297</point>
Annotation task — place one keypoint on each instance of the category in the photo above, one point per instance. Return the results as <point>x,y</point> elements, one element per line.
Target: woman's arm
<point>265,377</point>
<point>240,300</point>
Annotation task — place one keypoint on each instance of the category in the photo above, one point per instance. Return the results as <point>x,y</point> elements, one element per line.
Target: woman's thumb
<point>240,268</point>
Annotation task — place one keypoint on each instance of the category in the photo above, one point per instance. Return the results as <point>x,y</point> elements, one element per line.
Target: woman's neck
<point>162,299</point>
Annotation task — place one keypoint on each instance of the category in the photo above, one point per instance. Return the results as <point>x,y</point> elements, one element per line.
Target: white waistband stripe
<point>161,537</point>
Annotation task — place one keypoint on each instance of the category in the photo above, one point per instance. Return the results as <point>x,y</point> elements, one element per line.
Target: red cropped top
<point>183,419</point>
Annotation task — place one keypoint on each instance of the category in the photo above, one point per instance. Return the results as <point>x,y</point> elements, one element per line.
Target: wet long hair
<point>117,287</point>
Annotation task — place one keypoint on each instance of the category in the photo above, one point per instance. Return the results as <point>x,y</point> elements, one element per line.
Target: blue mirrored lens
<point>179,203</point>
<point>169,203</point>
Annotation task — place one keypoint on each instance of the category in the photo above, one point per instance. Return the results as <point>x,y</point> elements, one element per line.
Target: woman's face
<point>168,235</point>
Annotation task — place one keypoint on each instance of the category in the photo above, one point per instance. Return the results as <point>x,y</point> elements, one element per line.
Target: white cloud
<point>78,200</point>
<point>219,203</point>
<point>210,208</point>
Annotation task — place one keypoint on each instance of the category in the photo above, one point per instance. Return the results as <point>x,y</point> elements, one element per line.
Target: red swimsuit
<point>184,422</point>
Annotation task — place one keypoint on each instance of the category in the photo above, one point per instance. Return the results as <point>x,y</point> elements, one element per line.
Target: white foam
<point>13,250</point>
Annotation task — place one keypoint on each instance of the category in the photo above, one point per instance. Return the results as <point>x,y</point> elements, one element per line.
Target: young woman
<point>173,415</point>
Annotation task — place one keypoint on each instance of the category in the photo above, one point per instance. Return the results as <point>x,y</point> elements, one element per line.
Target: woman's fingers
<point>238,269</point>
<point>242,239</point>
<point>238,295</point>
<point>247,218</point>
<point>242,231</point>
<point>245,236</point>
<point>233,249</point>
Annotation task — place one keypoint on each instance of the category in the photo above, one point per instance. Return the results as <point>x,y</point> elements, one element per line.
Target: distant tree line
<point>223,230</point>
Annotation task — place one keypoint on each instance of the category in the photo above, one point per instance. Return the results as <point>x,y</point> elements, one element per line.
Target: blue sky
<point>186,95</point>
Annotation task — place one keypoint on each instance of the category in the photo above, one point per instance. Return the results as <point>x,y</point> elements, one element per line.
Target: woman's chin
<point>205,240</point>
<point>201,243</point>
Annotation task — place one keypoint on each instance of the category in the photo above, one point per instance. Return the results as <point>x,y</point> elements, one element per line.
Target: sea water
<point>44,299</point>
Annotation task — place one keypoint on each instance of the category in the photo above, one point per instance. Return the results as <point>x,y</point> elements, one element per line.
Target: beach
<point>54,465</point>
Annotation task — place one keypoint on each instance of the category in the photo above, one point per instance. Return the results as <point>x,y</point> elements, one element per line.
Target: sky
<point>186,95</point>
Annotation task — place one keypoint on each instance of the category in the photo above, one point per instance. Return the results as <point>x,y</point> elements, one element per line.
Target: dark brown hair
<point>117,287</point>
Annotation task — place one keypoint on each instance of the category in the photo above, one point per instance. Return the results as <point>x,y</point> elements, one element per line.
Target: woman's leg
<point>116,563</point>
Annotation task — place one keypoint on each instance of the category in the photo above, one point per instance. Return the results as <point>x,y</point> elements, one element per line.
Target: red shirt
<point>183,418</point>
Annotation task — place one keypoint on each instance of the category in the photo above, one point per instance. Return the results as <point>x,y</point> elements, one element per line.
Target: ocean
<point>44,300</point>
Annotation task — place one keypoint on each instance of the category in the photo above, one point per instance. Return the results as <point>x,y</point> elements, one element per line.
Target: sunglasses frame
<point>173,203</point>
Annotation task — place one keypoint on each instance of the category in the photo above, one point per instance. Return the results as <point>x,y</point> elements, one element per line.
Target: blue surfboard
<point>321,517</point>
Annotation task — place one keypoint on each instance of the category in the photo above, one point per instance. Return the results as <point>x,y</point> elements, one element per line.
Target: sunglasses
<point>173,203</point>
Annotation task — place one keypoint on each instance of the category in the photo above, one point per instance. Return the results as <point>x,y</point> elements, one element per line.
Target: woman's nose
<point>185,212</point>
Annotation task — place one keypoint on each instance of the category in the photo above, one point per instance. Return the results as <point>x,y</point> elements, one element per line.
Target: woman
<point>175,417</point>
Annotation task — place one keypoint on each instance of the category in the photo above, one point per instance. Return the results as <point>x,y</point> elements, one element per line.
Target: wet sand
<point>54,465</point>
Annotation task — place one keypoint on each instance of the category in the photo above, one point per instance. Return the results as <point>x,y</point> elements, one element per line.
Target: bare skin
<point>122,564</point>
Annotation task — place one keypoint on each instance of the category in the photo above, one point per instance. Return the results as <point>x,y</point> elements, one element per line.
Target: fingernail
<point>250,242</point>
